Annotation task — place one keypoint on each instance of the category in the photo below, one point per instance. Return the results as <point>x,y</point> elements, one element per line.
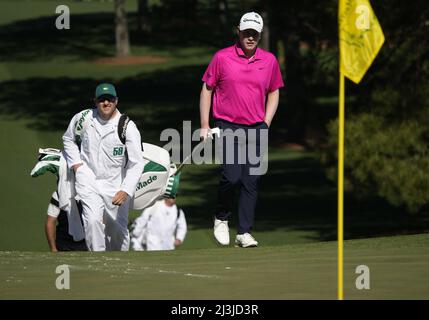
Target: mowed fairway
<point>399,269</point>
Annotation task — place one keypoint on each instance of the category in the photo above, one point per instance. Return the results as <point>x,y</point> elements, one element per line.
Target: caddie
<point>103,148</point>
<point>63,226</point>
<point>160,227</point>
<point>58,225</point>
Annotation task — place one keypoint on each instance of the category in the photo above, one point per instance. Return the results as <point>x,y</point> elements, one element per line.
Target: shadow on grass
<point>92,36</point>
<point>154,101</point>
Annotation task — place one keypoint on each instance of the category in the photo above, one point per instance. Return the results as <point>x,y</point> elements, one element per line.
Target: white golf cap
<point>251,20</point>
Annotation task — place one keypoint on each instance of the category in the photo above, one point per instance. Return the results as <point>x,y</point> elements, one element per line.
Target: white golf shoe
<point>245,240</point>
<point>221,232</point>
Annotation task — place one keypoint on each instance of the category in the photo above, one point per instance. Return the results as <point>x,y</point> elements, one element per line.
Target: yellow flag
<point>360,35</point>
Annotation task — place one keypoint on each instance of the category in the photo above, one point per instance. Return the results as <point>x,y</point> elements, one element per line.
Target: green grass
<point>398,270</point>
<point>24,199</point>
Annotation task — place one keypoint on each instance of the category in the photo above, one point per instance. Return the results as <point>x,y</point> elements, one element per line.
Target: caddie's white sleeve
<point>71,150</point>
<point>53,207</point>
<point>182,227</point>
<point>135,165</point>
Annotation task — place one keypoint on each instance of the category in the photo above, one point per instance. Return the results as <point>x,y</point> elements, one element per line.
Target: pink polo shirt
<point>241,84</point>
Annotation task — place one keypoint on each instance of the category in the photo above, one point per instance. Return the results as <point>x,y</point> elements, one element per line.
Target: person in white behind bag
<point>107,167</point>
<point>159,227</point>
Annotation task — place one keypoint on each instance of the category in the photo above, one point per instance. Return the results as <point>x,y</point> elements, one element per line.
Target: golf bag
<point>159,179</point>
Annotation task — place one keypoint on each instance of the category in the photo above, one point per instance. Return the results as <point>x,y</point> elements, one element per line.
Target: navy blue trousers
<point>238,142</point>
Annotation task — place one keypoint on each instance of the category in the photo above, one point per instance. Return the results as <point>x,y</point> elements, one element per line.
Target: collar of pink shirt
<point>241,53</point>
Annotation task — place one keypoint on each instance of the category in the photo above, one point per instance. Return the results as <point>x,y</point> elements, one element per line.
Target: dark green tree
<point>387,132</point>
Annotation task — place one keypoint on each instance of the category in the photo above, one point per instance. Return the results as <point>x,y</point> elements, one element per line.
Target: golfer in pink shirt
<point>241,85</point>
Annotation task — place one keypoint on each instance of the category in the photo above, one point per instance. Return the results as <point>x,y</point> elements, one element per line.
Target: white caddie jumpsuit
<point>104,172</point>
<point>157,228</point>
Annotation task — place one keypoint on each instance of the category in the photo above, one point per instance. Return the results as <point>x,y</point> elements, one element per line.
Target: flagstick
<point>341,189</point>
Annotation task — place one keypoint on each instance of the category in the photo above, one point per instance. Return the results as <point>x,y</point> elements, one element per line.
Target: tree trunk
<point>122,39</point>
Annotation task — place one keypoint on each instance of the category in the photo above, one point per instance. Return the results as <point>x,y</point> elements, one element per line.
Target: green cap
<point>105,89</point>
